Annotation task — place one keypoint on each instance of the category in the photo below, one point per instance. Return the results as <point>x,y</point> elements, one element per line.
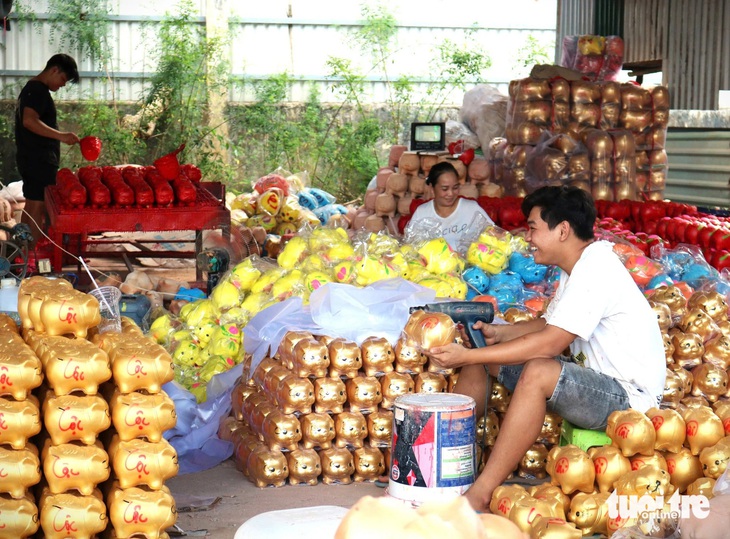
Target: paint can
<point>433,451</point>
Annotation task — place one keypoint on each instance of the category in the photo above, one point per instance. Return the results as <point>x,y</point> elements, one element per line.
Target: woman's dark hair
<point>558,204</point>
<point>65,63</point>
<point>437,170</point>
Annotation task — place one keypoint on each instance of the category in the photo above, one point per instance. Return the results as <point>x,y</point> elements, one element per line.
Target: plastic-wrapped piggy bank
<point>337,466</point>
<point>19,469</point>
<point>18,518</point>
<point>70,466</point>
<point>137,462</point>
<point>318,430</point>
<point>345,358</point>
<point>72,515</point>
<point>304,467</point>
<point>137,512</point>
<point>393,385</point>
<point>267,467</point>
<point>73,365</point>
<point>310,358</point>
<point>69,418</point>
<point>139,415</point>
<point>350,429</point>
<point>380,428</point>
<point>369,464</point>
<point>377,356</point>
<point>295,394</point>
<point>146,367</point>
<point>364,394</point>
<point>19,374</point>
<point>281,431</point>
<point>329,395</point>
<point>286,348</point>
<point>19,420</point>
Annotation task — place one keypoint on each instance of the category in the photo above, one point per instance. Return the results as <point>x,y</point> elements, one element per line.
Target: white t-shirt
<point>460,228</point>
<point>617,331</point>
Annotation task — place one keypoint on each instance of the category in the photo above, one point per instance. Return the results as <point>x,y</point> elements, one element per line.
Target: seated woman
<point>458,220</point>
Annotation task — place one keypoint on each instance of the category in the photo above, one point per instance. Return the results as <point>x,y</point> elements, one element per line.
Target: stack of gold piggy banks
<point>100,412</point>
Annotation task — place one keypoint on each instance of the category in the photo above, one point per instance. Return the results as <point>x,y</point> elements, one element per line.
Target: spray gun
<point>465,313</point>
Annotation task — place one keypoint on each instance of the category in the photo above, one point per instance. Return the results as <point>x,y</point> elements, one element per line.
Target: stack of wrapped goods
<point>645,112</point>
<point>20,372</point>
<point>390,202</point>
<point>626,160</point>
<point>322,407</point>
<point>75,415</point>
<point>597,57</point>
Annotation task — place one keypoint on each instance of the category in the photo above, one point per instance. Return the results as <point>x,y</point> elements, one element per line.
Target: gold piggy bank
<point>350,429</point>
<point>295,394</point>
<point>684,468</point>
<point>408,357</point>
<point>286,347</point>
<point>318,431</point>
<point>304,467</point>
<point>393,385</point>
<point>369,464</point>
<point>267,467</point>
<point>670,429</point>
<point>571,469</point>
<point>281,431</point>
<point>610,464</point>
<point>632,432</point>
<point>310,357</point>
<point>139,512</point>
<point>337,466</point>
<point>65,311</point>
<point>69,514</point>
<point>35,285</point>
<point>69,418</point>
<point>704,428</point>
<point>18,518</point>
<point>589,512</point>
<point>146,367</point>
<point>345,358</point>
<point>377,356</point>
<point>136,462</point>
<point>19,469</point>
<point>139,415</point>
<point>709,381</point>
<point>430,382</point>
<point>329,395</point>
<point>74,365</point>
<point>363,394</point>
<point>19,420</point>
<point>715,458</point>
<point>19,374</point>
<point>70,466</point>
<point>380,428</point>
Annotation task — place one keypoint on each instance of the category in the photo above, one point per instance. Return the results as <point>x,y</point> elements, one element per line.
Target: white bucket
<point>108,297</point>
<point>433,454</point>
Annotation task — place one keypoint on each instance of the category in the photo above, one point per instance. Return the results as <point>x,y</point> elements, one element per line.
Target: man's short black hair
<point>65,63</point>
<point>567,203</point>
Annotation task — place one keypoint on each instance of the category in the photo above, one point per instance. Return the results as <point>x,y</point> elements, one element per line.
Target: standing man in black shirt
<point>37,138</point>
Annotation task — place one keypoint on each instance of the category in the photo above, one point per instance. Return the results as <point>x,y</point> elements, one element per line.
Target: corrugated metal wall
<point>296,36</point>
<point>646,29</point>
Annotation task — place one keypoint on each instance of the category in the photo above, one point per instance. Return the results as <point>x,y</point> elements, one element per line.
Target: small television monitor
<point>428,136</point>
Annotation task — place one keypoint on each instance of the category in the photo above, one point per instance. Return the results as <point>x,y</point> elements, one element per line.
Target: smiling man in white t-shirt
<point>617,355</point>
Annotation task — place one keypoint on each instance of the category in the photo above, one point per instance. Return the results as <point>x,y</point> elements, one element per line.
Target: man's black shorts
<point>36,176</point>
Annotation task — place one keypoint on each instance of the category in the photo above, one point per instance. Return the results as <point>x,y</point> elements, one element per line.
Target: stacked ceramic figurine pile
<point>404,179</point>
<point>323,407</point>
<point>76,415</point>
<point>628,160</point>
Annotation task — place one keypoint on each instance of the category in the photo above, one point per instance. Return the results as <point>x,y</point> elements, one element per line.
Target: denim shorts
<point>582,396</point>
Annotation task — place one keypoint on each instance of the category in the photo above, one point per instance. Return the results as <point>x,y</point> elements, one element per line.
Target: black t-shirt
<point>30,146</point>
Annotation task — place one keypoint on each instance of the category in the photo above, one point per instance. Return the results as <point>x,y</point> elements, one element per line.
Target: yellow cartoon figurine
<point>492,250</point>
<point>440,258</point>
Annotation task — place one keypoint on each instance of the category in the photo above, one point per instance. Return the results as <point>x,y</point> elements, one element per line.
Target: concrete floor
<point>240,500</point>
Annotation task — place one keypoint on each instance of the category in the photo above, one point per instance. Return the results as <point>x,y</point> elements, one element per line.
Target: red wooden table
<point>71,227</point>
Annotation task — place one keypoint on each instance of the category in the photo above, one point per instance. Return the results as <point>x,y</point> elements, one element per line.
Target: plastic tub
<point>316,522</point>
